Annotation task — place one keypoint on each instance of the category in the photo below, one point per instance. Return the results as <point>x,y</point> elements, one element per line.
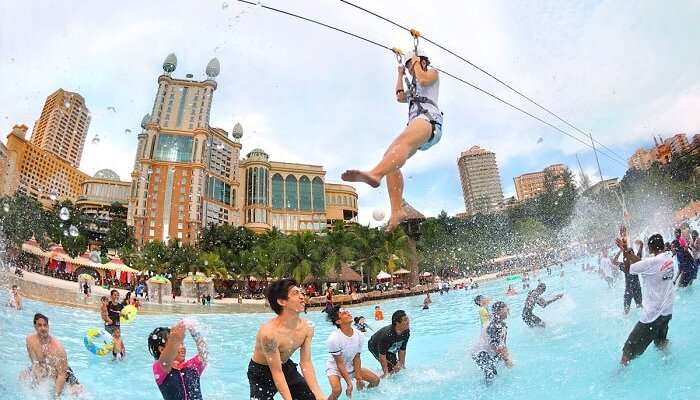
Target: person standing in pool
<point>111,312</point>
<point>656,272</point>
<point>271,368</point>
<point>687,271</point>
<point>176,377</point>
<point>492,344</point>
<point>388,344</point>
<point>49,359</point>
<point>535,298</point>
<point>15,299</point>
<point>345,347</point>
<point>633,289</point>
<point>427,301</point>
<point>483,303</point>
<point>423,131</point>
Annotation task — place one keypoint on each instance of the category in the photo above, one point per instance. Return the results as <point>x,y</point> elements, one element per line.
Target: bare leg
<point>401,149</point>
<point>394,184</point>
<point>335,387</point>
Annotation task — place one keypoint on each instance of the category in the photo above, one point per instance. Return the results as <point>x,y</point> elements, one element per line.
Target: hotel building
<point>532,184</point>
<point>481,183</point>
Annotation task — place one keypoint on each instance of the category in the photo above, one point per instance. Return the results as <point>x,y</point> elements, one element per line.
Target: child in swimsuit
<point>176,377</point>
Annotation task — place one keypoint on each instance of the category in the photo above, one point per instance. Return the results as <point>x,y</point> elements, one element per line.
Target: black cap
<point>477,300</point>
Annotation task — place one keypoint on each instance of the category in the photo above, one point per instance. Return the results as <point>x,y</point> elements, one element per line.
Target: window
<point>173,148</point>
<point>291,191</point>
<point>218,190</point>
<point>319,195</point>
<point>304,194</point>
<point>277,191</point>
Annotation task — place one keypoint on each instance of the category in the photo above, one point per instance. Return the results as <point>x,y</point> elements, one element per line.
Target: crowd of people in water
<point>646,266</point>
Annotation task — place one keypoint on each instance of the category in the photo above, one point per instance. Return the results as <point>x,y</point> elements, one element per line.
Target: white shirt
<point>348,347</point>
<point>656,273</point>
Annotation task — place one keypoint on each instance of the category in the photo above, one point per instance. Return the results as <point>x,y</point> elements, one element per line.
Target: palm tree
<point>340,246</point>
<point>299,256</point>
<point>380,251</point>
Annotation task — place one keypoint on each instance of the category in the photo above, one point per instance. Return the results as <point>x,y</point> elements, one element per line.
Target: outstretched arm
<point>201,343</point>
<point>307,367</point>
<point>169,353</point>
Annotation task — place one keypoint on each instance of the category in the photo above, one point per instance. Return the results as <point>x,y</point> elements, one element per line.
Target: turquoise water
<point>576,357</point>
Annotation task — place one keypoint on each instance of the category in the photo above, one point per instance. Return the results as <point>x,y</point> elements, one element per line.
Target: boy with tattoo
<point>271,369</point>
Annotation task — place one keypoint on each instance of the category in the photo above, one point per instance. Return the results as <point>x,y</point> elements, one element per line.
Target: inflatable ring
<point>128,314</point>
<point>98,342</point>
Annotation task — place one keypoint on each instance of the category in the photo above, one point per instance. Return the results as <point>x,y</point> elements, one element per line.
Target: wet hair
<point>39,316</point>
<point>103,298</point>
<point>357,320</point>
<point>14,286</point>
<point>542,286</point>
<point>333,315</point>
<point>694,233</point>
<point>111,292</point>
<point>376,307</point>
<point>157,338</point>
<point>656,243</point>
<point>397,317</point>
<point>279,291</point>
<point>498,306</point>
<point>477,300</point>
<point>677,232</point>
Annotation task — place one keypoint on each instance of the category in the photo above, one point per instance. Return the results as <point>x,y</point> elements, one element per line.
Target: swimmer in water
<point>483,303</point>
<point>15,299</point>
<point>427,301</point>
<point>176,377</point>
<point>388,344</point>
<point>534,298</point>
<point>345,348</point>
<point>361,324</point>
<point>271,368</point>
<point>49,360</point>
<point>378,314</point>
<point>511,291</point>
<point>118,349</point>
<point>491,346</point>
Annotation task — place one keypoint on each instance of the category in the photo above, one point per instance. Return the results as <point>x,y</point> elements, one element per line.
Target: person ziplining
<point>423,130</point>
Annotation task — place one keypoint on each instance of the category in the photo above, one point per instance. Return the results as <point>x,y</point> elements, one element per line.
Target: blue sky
<point>625,70</point>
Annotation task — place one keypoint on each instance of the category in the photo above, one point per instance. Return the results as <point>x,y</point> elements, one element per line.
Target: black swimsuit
<point>262,386</point>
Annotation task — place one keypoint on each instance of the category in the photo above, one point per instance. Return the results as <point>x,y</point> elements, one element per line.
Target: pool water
<point>575,357</point>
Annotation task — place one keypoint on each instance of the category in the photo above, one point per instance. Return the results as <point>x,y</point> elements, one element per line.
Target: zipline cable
<point>487,73</point>
<point>393,50</point>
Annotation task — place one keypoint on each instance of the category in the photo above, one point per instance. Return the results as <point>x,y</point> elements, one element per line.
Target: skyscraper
<point>187,174</point>
<point>62,127</point>
<point>481,183</point>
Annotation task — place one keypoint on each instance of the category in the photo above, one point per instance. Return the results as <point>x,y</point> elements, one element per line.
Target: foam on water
<point>576,357</point>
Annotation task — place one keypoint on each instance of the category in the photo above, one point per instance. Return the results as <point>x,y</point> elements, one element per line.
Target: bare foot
<point>353,175</point>
<point>396,219</point>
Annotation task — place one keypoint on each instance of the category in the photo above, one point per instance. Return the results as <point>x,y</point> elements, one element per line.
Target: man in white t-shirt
<point>345,347</point>
<point>656,273</point>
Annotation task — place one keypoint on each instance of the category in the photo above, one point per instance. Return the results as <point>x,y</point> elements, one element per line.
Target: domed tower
<point>257,189</point>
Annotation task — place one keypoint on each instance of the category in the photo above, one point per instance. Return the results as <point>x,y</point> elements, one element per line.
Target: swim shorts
<point>643,334</point>
<point>487,363</point>
<point>532,320</point>
<point>262,387</point>
<point>435,119</point>
<point>71,379</point>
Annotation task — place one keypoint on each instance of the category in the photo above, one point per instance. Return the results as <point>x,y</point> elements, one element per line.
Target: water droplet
<point>64,214</point>
<point>540,140</point>
<point>73,231</point>
<point>65,232</point>
<point>96,139</point>
<point>258,4</point>
<point>224,5</point>
<point>6,207</point>
<point>561,194</point>
<point>378,214</point>
<point>111,108</point>
<point>53,195</point>
<point>127,131</point>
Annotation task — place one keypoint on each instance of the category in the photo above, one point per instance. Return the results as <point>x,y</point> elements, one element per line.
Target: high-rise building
<point>678,143</point>
<point>37,172</point>
<point>188,175</point>
<point>695,145</point>
<point>481,183</point>
<point>63,125</point>
<point>533,184</point>
<point>642,159</point>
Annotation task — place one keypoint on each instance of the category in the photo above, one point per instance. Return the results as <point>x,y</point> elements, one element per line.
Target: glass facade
<point>218,190</point>
<point>277,191</point>
<point>173,148</point>
<point>304,194</point>
<point>290,184</point>
<point>256,185</point>
<point>319,194</point>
